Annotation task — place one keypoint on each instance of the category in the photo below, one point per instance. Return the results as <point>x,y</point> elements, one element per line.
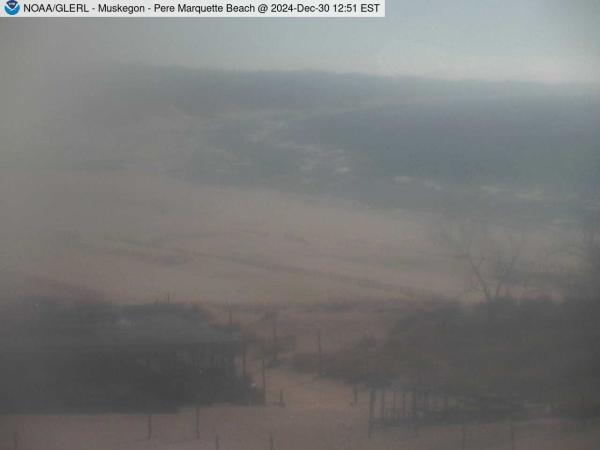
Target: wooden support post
<point>371,408</point>
<point>16,440</point>
<point>149,426</point>
<point>394,413</point>
<point>271,443</point>
<point>281,401</point>
<point>512,434</point>
<point>463,445</point>
<point>583,414</point>
<point>275,344</point>
<point>197,422</point>
<point>217,443</point>
<point>230,318</point>
<point>320,353</point>
<point>414,412</point>
<point>244,362</point>
<point>403,403</point>
<point>445,406</point>
<point>264,381</point>
<point>382,406</point>
<point>355,394</point>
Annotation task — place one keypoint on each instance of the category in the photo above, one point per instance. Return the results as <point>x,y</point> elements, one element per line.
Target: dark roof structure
<point>128,330</point>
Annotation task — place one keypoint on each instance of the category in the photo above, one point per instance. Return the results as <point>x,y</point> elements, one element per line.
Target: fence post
<point>320,352</point>
<point>149,425</point>
<point>512,434</point>
<point>414,408</point>
<point>281,401</point>
<point>355,393</point>
<point>16,440</point>
<point>197,422</point>
<point>583,414</point>
<point>264,381</point>
<point>217,442</point>
<point>271,443</point>
<point>464,435</point>
<point>445,407</point>
<point>382,406</point>
<point>275,344</point>
<point>415,411</point>
<point>244,362</point>
<point>371,407</point>
<point>394,415</point>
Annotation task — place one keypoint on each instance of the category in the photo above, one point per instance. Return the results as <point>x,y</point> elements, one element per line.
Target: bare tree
<point>491,255</point>
<point>590,250</point>
<point>582,273</point>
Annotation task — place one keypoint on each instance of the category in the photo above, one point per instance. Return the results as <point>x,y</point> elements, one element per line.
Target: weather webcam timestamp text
<point>197,8</point>
<point>338,8</point>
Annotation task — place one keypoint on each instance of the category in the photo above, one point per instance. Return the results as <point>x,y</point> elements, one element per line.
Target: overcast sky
<point>541,40</point>
<point>133,180</point>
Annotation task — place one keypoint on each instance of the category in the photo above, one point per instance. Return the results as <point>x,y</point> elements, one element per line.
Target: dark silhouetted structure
<point>101,357</point>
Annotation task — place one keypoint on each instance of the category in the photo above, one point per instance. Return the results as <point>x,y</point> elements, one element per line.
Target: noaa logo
<point>12,7</point>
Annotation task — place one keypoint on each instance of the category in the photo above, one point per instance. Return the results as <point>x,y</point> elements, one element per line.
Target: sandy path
<point>318,416</point>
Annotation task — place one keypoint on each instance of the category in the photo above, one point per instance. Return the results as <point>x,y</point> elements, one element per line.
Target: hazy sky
<point>542,40</point>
